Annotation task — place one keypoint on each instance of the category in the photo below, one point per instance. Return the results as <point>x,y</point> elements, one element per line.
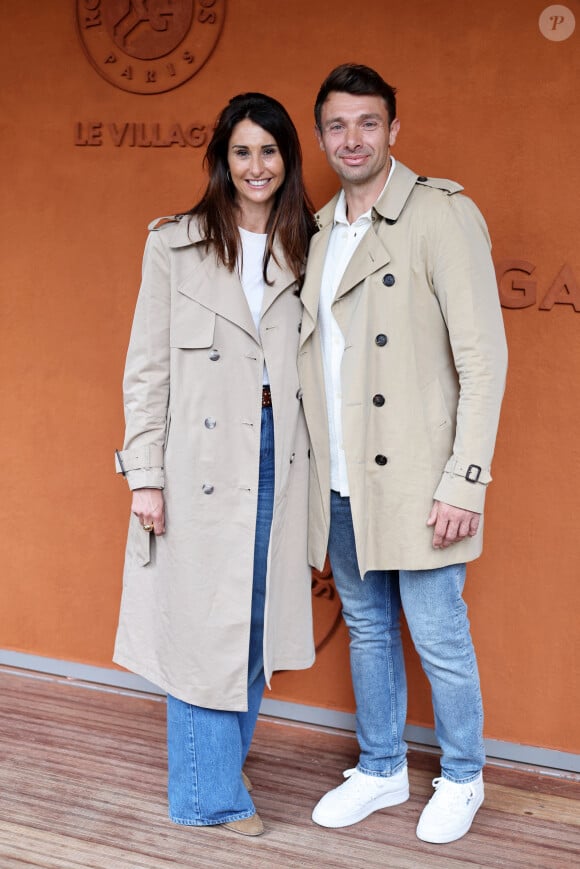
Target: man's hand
<point>451,524</point>
<point>149,507</point>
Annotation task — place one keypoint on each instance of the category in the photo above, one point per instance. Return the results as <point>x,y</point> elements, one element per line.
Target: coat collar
<point>389,204</point>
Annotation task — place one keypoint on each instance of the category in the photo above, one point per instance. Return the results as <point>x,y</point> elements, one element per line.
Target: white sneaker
<point>360,796</point>
<point>450,812</point>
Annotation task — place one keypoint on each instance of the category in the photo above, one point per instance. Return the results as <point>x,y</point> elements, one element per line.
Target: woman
<point>216,592</point>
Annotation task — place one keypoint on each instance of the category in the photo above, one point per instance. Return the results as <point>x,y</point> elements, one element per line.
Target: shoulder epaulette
<point>444,184</point>
<point>160,222</point>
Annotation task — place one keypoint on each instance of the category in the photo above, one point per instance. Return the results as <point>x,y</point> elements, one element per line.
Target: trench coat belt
<point>266,397</point>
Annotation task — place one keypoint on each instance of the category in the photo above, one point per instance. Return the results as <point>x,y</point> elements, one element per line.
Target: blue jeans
<point>437,618</point>
<point>207,747</point>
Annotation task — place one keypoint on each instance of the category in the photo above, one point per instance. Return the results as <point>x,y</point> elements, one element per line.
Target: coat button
<point>214,355</point>
<point>381,460</point>
<point>422,178</point>
<point>389,280</point>
<point>207,489</point>
<point>210,422</point>
<point>300,327</point>
<point>299,395</point>
<point>292,457</point>
<point>381,340</point>
<point>378,400</point>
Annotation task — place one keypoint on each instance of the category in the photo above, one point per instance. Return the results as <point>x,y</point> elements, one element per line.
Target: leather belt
<point>266,397</point>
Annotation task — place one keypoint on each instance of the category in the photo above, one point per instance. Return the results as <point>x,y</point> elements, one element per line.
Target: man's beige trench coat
<point>193,387</point>
<point>423,373</point>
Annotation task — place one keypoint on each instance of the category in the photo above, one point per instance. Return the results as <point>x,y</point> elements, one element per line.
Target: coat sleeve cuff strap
<point>470,471</point>
<point>145,457</point>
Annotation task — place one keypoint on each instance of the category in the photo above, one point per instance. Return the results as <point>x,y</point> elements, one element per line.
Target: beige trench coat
<point>419,310</point>
<point>192,387</point>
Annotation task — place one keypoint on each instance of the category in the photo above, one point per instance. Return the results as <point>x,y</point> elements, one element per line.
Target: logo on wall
<point>149,46</point>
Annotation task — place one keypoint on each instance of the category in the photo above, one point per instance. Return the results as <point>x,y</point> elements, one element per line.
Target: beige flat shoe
<point>252,826</point>
<point>248,784</point>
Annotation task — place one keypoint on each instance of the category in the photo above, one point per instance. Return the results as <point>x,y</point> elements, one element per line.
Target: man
<point>402,363</point>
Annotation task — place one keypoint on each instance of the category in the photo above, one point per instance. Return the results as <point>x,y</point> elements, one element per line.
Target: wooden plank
<point>83,786</point>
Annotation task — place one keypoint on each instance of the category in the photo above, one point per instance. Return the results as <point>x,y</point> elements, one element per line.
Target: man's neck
<point>361,197</point>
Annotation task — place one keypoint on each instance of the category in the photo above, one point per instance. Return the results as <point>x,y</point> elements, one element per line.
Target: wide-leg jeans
<point>207,747</point>
<point>437,618</point>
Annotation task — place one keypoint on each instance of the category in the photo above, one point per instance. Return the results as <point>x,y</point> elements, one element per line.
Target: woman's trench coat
<point>192,387</point>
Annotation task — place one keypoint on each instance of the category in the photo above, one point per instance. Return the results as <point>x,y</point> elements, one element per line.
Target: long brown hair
<point>291,220</point>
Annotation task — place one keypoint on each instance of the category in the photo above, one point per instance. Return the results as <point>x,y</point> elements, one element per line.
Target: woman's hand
<point>149,507</point>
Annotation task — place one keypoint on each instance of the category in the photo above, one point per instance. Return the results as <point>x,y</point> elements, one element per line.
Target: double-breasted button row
<point>381,460</point>
<point>381,340</point>
<point>207,489</point>
<point>214,354</point>
<point>210,422</point>
<point>378,400</point>
<point>388,280</point>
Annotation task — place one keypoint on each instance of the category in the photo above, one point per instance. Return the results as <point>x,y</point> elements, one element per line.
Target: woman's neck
<point>254,219</point>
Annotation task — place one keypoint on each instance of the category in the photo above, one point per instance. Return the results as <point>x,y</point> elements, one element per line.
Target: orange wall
<point>484,99</point>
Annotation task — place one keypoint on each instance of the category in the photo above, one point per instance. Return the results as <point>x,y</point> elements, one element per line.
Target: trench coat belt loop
<point>266,397</point>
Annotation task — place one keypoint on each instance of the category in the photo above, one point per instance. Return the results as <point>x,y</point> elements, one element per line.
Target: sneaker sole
<point>385,802</point>
<point>445,839</point>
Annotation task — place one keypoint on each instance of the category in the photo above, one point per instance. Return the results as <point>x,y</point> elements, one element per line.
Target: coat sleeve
<point>146,380</point>
<point>464,281</point>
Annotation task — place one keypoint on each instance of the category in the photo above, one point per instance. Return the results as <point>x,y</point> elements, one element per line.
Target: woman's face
<point>255,165</point>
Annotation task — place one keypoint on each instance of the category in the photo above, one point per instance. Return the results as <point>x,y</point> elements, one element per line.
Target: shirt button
<point>210,422</point>
<point>207,489</point>
<point>389,280</point>
<point>381,460</point>
<point>214,355</point>
<point>378,400</point>
<point>381,340</point>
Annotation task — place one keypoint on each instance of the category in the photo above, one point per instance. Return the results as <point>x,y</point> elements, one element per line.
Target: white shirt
<point>344,239</point>
<point>252,276</point>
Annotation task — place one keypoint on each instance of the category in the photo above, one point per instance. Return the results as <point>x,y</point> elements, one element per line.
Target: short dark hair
<point>291,219</point>
<point>354,78</point>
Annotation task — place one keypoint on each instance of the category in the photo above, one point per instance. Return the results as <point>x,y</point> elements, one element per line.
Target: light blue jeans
<point>207,747</point>
<point>437,618</point>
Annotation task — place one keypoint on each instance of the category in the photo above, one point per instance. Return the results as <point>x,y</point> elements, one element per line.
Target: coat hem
<point>241,706</point>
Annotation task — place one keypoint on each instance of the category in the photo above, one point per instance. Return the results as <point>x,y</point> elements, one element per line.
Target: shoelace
<point>450,793</point>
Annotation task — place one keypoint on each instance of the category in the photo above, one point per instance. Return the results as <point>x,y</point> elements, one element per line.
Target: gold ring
<point>148,528</point>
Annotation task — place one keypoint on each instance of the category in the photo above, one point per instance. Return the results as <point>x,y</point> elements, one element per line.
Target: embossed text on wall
<point>138,135</point>
<point>149,46</point>
<point>518,290</point>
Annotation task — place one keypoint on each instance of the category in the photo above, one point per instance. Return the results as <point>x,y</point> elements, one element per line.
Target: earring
<point>228,176</point>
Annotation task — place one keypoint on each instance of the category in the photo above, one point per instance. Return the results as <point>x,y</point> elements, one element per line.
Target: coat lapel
<point>370,255</point>
<point>280,277</point>
<point>210,284</point>
<point>220,290</point>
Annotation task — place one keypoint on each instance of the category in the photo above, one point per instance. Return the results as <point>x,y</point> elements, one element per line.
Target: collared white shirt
<point>344,239</point>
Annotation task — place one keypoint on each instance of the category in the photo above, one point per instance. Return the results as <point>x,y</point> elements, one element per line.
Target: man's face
<point>355,136</point>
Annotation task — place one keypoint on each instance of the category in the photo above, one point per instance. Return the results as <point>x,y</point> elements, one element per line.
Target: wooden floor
<point>83,779</point>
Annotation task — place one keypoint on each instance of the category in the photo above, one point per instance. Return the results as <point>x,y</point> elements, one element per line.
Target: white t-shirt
<point>251,275</point>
